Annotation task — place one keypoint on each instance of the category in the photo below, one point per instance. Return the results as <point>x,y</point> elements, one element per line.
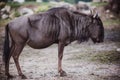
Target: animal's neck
<point>80,32</point>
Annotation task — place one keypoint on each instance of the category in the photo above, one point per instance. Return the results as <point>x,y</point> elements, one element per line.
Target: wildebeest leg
<point>7,64</point>
<point>60,56</point>
<point>18,49</point>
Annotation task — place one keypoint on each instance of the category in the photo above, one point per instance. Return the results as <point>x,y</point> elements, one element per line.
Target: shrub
<point>14,4</point>
<point>17,14</point>
<point>2,4</point>
<point>42,9</point>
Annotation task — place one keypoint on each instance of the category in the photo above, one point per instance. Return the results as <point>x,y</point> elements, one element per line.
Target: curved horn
<point>91,11</point>
<point>95,15</point>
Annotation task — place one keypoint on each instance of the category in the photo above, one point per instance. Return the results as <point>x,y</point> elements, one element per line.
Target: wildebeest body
<point>57,25</point>
<point>41,27</point>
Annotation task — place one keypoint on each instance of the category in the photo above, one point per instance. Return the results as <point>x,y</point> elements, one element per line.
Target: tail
<point>6,51</point>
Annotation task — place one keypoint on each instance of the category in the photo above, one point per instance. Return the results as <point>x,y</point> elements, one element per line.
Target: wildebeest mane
<point>81,24</point>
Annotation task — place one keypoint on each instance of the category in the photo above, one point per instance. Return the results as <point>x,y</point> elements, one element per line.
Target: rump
<point>18,29</point>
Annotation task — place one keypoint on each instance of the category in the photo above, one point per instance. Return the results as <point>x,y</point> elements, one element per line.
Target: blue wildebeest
<point>57,25</point>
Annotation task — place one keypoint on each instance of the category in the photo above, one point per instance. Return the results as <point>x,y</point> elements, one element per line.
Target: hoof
<point>10,76</point>
<point>23,77</point>
<point>63,73</point>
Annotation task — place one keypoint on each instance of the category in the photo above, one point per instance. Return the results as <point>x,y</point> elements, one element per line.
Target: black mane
<point>81,24</point>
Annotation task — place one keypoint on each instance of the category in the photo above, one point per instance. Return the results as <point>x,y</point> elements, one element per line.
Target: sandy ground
<point>86,61</point>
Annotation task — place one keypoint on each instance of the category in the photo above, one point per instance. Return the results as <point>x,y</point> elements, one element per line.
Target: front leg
<point>60,56</point>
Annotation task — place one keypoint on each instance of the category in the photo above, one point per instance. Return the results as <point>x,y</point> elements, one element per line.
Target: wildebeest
<point>57,25</point>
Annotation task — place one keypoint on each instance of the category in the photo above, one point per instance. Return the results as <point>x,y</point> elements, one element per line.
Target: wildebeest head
<point>96,29</point>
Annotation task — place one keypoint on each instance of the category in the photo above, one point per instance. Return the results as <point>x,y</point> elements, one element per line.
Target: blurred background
<point>92,62</point>
<point>107,9</point>
<point>15,8</point>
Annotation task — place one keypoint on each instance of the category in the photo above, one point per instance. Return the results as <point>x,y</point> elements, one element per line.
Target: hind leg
<point>7,63</point>
<point>18,49</point>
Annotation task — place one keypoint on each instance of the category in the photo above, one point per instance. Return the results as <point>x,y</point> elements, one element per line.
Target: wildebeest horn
<point>95,15</point>
<point>91,11</point>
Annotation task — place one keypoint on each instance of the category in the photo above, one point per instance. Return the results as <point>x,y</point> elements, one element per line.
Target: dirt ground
<point>85,61</point>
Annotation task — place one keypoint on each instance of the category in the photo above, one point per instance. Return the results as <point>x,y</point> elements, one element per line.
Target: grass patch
<point>107,57</point>
<point>17,14</point>
<point>80,56</point>
<point>101,56</point>
<point>30,3</point>
<point>3,22</point>
<point>43,7</point>
<point>110,22</point>
<point>99,4</point>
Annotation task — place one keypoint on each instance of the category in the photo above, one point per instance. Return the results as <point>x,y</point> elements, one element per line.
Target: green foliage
<point>14,4</point>
<point>70,1</point>
<point>3,22</point>
<point>17,14</point>
<point>43,7</point>
<point>30,3</point>
<point>98,4</point>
